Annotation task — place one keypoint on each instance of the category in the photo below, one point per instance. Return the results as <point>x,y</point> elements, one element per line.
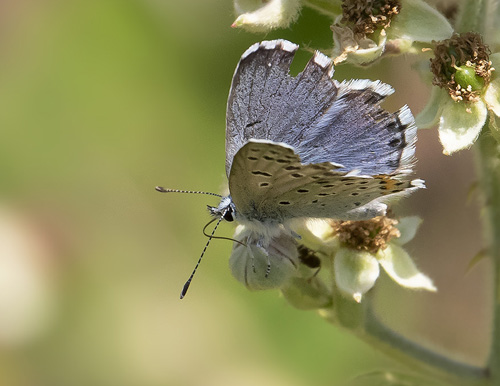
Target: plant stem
<point>481,16</point>
<point>488,160</point>
<point>361,320</point>
<point>418,357</point>
<point>326,7</point>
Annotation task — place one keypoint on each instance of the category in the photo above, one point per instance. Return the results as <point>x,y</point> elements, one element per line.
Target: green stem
<point>327,7</point>
<point>480,16</point>
<point>361,320</point>
<point>417,357</point>
<point>488,159</point>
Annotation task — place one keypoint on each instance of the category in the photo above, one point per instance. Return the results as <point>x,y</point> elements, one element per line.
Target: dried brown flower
<point>367,16</point>
<point>466,49</point>
<point>367,235</point>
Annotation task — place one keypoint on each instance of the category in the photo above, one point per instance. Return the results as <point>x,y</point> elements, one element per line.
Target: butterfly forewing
<point>324,120</point>
<point>265,102</point>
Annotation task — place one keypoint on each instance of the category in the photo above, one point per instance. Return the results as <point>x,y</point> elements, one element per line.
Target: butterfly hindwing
<point>269,183</point>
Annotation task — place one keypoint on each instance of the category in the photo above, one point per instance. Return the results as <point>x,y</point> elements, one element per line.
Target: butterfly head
<point>225,209</point>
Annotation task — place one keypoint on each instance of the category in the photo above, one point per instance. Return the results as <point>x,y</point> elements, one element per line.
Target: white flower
<point>412,21</point>
<point>460,120</point>
<point>356,271</point>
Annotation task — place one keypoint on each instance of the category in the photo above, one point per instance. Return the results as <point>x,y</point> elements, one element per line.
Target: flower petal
<point>355,272</point>
<point>492,96</point>
<point>492,93</point>
<point>319,228</point>
<point>408,227</point>
<point>495,62</point>
<point>401,268</point>
<point>418,21</point>
<point>460,124</point>
<point>347,47</point>
<point>263,16</point>
<point>429,116</point>
<point>317,234</point>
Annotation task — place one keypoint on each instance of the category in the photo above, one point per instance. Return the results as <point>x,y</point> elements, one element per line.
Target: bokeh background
<point>100,101</point>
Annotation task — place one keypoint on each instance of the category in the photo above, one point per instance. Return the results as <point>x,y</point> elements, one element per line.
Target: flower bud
<point>355,272</point>
<point>264,16</point>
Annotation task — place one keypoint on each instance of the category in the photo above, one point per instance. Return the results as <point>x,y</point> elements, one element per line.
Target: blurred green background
<point>100,101</point>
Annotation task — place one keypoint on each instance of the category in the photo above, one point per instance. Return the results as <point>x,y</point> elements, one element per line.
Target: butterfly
<point>300,147</point>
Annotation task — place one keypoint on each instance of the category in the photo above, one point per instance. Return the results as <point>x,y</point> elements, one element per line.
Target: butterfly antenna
<point>188,282</point>
<point>166,190</point>
<point>219,237</point>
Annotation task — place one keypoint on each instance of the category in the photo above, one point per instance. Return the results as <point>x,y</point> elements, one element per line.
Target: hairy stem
<point>418,357</point>
<point>488,159</point>
<point>364,323</point>
<point>482,16</point>
<point>327,7</point>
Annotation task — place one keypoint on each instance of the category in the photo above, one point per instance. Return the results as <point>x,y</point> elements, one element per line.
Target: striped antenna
<point>188,282</point>
<point>166,190</point>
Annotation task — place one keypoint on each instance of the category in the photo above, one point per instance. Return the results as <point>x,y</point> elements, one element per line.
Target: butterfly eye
<point>228,216</point>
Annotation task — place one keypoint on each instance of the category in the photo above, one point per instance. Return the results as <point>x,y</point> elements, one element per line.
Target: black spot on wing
<point>261,173</point>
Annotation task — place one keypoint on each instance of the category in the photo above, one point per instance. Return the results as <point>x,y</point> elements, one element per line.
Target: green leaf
<point>476,259</point>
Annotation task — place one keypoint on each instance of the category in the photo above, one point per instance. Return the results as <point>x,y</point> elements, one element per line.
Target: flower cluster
<point>363,31</point>
<point>359,248</point>
<point>467,88</point>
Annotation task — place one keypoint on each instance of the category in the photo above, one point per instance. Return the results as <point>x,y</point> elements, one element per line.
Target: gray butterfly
<point>301,147</point>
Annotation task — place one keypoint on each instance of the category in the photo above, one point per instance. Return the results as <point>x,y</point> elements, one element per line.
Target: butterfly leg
<point>260,245</point>
<point>250,252</point>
